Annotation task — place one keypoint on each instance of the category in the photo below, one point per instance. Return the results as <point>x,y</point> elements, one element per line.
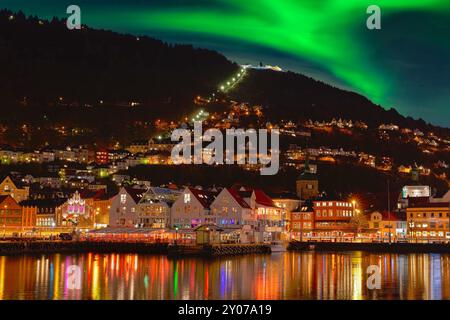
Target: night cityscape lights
<point>249,156</point>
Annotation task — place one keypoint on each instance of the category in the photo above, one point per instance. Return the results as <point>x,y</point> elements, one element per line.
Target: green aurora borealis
<point>405,65</point>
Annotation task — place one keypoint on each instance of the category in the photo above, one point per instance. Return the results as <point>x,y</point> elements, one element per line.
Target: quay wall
<point>371,247</point>
<point>46,247</point>
<point>27,247</point>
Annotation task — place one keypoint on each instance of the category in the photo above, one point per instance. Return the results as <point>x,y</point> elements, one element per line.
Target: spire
<point>307,169</point>
<point>306,173</point>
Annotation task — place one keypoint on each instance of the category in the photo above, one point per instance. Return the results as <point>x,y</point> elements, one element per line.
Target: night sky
<point>405,65</point>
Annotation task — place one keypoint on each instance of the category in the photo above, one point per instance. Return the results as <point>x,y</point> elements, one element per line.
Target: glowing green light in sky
<point>404,65</point>
<point>323,31</point>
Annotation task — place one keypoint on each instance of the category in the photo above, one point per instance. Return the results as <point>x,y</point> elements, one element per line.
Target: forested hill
<point>42,60</point>
<point>294,96</point>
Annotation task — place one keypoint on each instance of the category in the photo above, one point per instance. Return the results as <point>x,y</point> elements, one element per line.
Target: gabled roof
<point>136,194</point>
<point>3,198</point>
<point>17,183</point>
<point>263,199</point>
<point>239,199</point>
<point>204,197</point>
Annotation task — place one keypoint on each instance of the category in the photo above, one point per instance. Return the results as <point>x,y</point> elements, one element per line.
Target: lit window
<point>123,198</point>
<point>187,197</point>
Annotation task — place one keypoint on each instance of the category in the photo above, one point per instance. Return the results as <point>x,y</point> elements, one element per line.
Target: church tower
<point>307,184</point>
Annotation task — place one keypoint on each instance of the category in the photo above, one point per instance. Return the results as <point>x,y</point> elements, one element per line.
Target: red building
<point>302,222</point>
<point>333,218</point>
<point>323,219</point>
<point>102,156</point>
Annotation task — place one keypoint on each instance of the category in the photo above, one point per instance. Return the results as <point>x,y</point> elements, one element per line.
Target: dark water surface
<point>306,275</point>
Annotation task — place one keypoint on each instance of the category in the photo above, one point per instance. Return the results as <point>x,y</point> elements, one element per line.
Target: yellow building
<point>9,188</point>
<point>429,221</point>
<point>288,203</point>
<point>383,223</point>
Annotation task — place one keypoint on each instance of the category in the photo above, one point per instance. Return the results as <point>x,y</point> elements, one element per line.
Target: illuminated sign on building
<point>75,207</point>
<point>415,191</point>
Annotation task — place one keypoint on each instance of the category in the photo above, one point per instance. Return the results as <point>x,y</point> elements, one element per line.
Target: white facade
<point>247,216</point>
<point>154,209</point>
<point>155,215</point>
<point>124,209</point>
<point>230,211</point>
<point>227,212</point>
<point>187,211</point>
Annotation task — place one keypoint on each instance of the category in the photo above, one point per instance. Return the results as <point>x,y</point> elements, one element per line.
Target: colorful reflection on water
<point>308,275</point>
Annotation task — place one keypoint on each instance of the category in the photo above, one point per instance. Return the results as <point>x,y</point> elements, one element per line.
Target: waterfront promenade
<point>58,246</point>
<point>74,246</point>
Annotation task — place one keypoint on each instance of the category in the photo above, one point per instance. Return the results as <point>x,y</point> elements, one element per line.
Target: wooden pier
<point>217,250</point>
